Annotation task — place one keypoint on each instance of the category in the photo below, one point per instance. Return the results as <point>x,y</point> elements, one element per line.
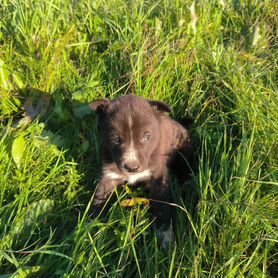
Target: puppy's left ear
<point>160,106</point>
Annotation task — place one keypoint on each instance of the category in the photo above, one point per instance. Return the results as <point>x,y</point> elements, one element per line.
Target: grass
<point>215,61</point>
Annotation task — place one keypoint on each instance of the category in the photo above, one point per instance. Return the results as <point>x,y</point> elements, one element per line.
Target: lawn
<point>213,61</point>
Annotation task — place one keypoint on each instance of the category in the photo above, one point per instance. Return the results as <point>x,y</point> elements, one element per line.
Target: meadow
<point>213,61</point>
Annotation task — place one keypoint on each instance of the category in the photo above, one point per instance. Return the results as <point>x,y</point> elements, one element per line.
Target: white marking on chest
<point>131,179</point>
<point>146,174</point>
<point>112,175</point>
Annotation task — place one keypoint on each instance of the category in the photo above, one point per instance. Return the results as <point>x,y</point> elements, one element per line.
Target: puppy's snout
<point>131,167</point>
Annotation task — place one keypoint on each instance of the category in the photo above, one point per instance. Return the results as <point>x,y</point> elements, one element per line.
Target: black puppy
<point>140,141</point>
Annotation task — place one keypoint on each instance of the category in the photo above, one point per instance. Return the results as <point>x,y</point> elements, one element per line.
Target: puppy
<point>140,142</point>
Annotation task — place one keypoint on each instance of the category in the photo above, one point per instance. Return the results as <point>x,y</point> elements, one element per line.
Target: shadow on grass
<point>69,124</point>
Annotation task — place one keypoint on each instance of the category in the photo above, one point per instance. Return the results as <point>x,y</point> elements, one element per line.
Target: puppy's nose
<point>131,167</point>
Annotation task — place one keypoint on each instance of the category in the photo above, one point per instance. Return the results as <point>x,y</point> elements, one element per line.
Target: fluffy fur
<point>140,142</point>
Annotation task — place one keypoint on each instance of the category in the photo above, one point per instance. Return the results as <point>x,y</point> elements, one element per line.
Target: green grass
<point>215,61</point>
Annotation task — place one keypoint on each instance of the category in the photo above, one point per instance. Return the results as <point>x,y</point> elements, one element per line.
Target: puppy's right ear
<point>99,106</point>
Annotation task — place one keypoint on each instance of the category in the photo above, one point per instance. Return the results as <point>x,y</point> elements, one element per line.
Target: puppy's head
<point>130,127</point>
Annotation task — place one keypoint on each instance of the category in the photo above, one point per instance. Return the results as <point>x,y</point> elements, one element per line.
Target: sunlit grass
<point>214,61</point>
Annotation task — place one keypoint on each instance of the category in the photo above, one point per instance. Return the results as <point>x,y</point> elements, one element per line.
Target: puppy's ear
<point>160,106</point>
<point>99,106</point>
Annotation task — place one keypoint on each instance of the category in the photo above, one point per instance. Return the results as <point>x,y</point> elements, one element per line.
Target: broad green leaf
<point>18,150</point>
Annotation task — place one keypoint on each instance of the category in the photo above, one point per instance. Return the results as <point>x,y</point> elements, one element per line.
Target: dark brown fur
<point>140,141</point>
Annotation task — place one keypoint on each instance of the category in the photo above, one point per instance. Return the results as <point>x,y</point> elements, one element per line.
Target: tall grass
<point>215,61</point>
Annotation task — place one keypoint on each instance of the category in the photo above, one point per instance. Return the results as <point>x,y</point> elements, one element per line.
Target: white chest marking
<point>146,174</point>
<point>131,179</point>
<point>112,175</point>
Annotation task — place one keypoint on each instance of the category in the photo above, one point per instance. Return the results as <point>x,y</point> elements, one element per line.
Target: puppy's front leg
<point>104,189</point>
<point>161,209</point>
<point>159,194</point>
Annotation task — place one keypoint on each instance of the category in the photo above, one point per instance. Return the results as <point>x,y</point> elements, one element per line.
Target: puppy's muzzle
<point>131,166</point>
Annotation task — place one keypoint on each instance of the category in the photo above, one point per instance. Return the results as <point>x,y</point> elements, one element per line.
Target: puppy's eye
<point>115,139</point>
<point>146,137</point>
